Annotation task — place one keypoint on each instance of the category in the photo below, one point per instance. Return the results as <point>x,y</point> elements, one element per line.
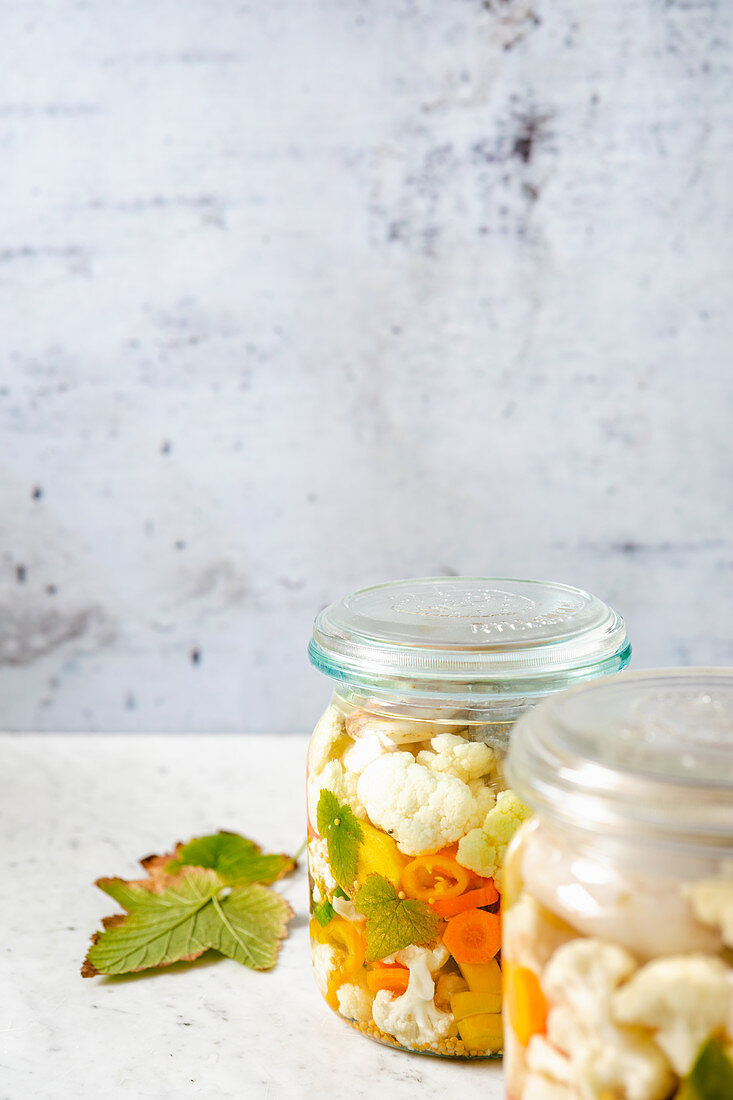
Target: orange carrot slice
<point>393,978</point>
<point>473,936</point>
<point>472,899</point>
<point>525,1002</point>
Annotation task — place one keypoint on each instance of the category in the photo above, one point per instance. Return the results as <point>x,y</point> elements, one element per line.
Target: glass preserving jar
<point>409,814</point>
<point>618,906</point>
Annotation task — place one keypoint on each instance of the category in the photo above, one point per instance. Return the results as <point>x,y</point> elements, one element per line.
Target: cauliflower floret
<point>685,998</point>
<point>539,1087</point>
<point>603,1059</point>
<point>531,934</point>
<point>606,1060</point>
<point>619,903</point>
<point>347,909</point>
<point>328,740</point>
<point>355,1002</point>
<point>423,958</point>
<point>319,866</point>
<point>324,964</point>
<point>466,760</point>
<point>583,974</point>
<point>413,1018</point>
<point>422,810</point>
<point>484,799</point>
<point>482,850</point>
<point>340,782</point>
<point>712,904</point>
<point>546,1059</point>
<point>365,751</point>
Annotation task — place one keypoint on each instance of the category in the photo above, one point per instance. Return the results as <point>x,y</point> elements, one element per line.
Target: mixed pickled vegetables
<point>618,981</point>
<point>409,821</point>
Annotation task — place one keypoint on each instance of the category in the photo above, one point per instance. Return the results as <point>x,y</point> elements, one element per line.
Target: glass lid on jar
<point>473,630</point>
<point>647,753</point>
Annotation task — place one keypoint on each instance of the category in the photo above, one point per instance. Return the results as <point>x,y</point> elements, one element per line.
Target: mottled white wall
<point>298,296</point>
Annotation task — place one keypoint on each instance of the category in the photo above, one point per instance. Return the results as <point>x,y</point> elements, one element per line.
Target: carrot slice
<point>525,1002</point>
<point>473,936</point>
<point>472,899</point>
<point>393,978</point>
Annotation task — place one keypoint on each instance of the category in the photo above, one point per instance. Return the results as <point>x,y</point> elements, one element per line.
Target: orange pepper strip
<point>525,1002</point>
<point>473,936</point>
<point>393,978</point>
<point>431,877</point>
<point>472,899</point>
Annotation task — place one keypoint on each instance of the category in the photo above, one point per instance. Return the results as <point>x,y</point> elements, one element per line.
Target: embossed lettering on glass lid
<point>486,610</point>
<point>468,626</point>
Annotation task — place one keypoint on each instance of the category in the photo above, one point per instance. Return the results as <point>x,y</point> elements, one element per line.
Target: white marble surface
<point>300,296</point>
<point>73,808</point>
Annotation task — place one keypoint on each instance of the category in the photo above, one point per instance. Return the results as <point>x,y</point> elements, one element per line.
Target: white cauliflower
<point>340,782</point>
<point>484,800</point>
<point>420,959</point>
<point>423,811</point>
<point>328,741</point>
<point>320,867</point>
<point>347,909</point>
<point>712,904</point>
<point>600,1058</point>
<point>413,1018</point>
<point>539,1087</point>
<point>531,933</point>
<point>608,901</point>
<point>365,751</point>
<point>466,760</point>
<point>545,1058</point>
<point>583,974</point>
<point>685,999</point>
<point>324,964</point>
<point>355,1002</point>
<point>482,850</point>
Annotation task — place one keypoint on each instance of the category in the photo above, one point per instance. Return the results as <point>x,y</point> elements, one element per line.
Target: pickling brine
<point>409,812</point>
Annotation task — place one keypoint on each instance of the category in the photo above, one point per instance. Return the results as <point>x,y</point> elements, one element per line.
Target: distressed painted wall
<point>300,296</point>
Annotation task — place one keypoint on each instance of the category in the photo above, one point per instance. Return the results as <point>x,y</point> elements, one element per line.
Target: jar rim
<point>645,754</point>
<point>469,636</point>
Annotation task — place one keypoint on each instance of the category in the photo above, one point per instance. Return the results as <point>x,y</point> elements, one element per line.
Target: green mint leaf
<point>392,922</point>
<point>711,1077</point>
<point>162,926</point>
<point>235,859</point>
<point>324,912</point>
<point>339,825</point>
<point>247,925</point>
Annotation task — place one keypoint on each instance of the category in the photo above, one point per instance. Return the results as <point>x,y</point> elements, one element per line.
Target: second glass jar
<point>409,813</point>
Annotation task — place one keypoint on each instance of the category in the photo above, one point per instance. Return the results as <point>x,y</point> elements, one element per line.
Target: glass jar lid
<point>646,754</point>
<point>468,635</point>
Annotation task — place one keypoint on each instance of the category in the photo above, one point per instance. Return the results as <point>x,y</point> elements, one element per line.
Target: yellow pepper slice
<point>470,1003</point>
<point>431,877</point>
<point>378,854</point>
<point>482,1032</point>
<point>346,936</point>
<point>482,977</point>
